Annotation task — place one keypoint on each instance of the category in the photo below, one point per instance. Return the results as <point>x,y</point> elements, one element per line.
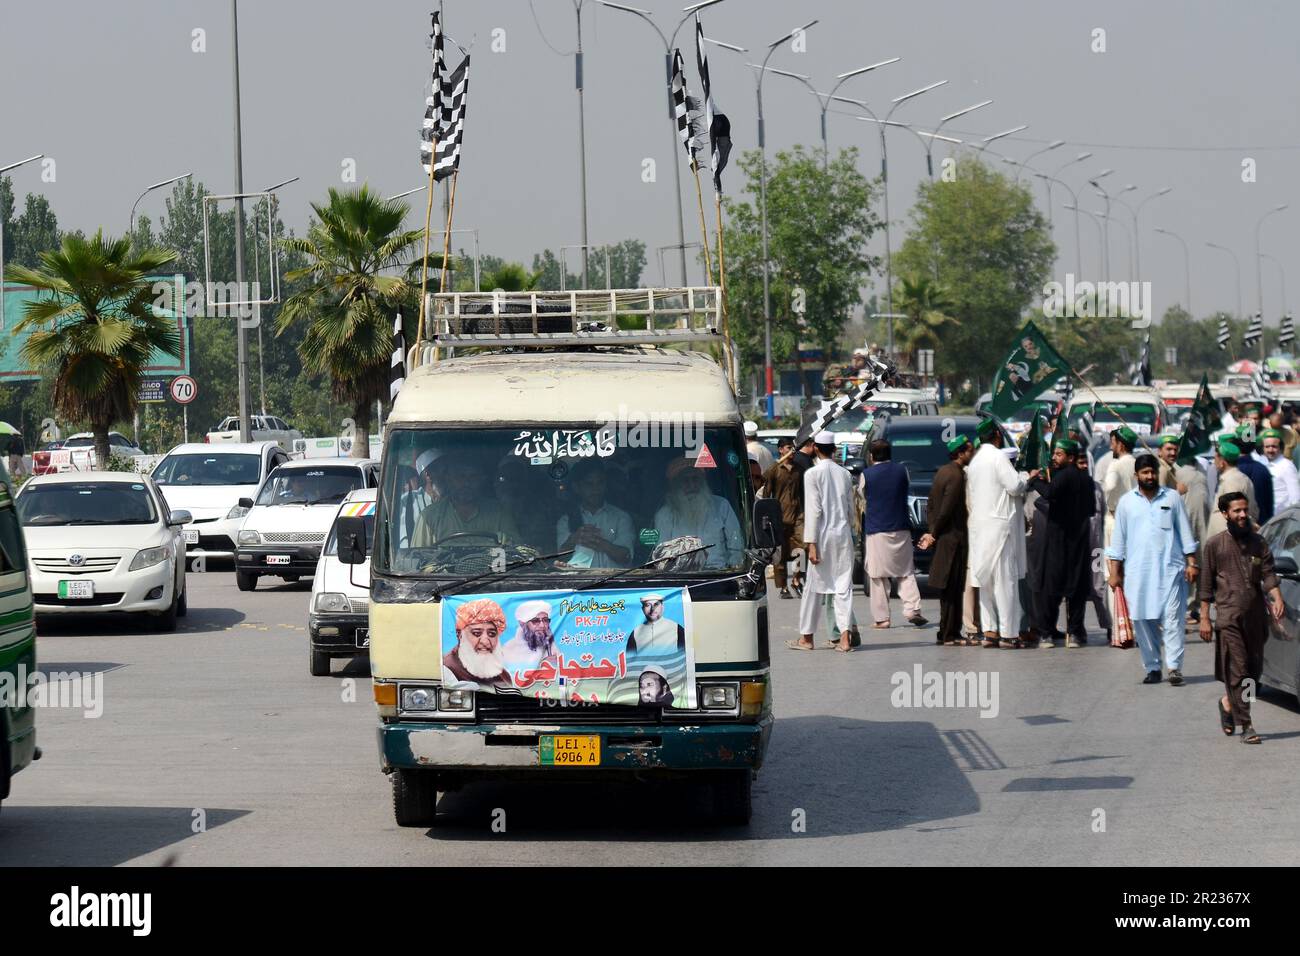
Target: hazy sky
<point>1186,90</point>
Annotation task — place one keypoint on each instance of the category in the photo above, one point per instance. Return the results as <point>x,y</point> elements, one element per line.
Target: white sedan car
<point>103,541</point>
<point>338,621</point>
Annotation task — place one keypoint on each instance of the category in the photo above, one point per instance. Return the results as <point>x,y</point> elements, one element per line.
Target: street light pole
<point>824,99</point>
<point>929,163</point>
<point>1100,241</point>
<point>240,332</point>
<point>1236,262</point>
<point>1137,238</point>
<point>1259,271</point>
<point>1106,240</point>
<point>5,169</point>
<point>582,140</point>
<point>166,182</point>
<point>1055,144</point>
<point>1187,267</point>
<point>1078,247</point>
<point>1281,275</point>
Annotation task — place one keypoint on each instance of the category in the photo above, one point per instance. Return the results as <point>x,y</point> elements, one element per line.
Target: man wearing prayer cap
<point>691,509</point>
<point>1189,482</point>
<point>476,659</point>
<point>996,534</point>
<point>656,635</point>
<point>1227,455</point>
<point>532,641</point>
<point>1167,453</point>
<point>828,538</point>
<point>756,447</point>
<point>1260,477</point>
<point>414,500</point>
<point>946,515</point>
<point>1067,550</point>
<point>1272,455</point>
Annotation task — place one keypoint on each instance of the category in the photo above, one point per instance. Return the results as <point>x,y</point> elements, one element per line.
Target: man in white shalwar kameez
<point>828,535</point>
<point>996,535</point>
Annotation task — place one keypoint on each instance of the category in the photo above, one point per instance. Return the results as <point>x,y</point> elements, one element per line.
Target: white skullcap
<point>530,609</point>
<point>652,597</point>
<point>751,429</point>
<point>862,352</point>
<point>427,458</point>
<point>824,438</point>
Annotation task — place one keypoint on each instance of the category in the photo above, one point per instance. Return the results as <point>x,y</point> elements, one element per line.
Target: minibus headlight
<point>250,537</point>
<point>419,698</point>
<point>456,700</point>
<point>718,696</point>
<point>332,601</point>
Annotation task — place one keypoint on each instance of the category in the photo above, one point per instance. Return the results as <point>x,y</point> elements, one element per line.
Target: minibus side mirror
<point>767,523</point>
<point>351,532</point>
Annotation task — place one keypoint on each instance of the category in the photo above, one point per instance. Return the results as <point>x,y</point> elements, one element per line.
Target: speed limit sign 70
<point>184,389</point>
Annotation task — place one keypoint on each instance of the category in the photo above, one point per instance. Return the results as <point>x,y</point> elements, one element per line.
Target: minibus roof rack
<point>577,317</point>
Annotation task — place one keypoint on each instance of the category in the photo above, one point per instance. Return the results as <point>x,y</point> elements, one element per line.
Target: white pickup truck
<point>261,428</point>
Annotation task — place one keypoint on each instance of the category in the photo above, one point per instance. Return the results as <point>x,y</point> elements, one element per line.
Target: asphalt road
<point>215,747</point>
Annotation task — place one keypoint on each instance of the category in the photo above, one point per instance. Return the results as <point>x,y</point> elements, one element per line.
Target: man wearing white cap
<point>756,447</point>
<point>656,635</point>
<point>532,641</point>
<point>828,536</point>
<point>413,502</point>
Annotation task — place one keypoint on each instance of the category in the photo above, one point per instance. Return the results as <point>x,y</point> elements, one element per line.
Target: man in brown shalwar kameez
<point>947,535</point>
<point>1236,573</point>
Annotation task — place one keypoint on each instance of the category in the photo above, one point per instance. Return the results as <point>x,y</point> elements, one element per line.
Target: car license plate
<point>191,537</point>
<point>569,750</point>
<point>363,637</point>
<point>277,559</point>
<point>75,590</point>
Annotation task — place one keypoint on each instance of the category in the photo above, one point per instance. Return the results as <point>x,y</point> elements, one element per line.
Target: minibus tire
<point>415,797</point>
<point>244,581</point>
<point>318,664</point>
<point>733,798</point>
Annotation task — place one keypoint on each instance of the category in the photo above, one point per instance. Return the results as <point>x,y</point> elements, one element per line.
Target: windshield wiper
<point>439,592</point>
<point>640,567</point>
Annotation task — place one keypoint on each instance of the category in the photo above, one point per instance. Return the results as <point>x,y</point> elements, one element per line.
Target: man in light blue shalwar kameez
<point>1153,558</point>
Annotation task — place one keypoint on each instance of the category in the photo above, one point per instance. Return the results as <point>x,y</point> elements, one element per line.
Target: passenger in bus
<point>600,534</point>
<point>464,508</point>
<point>691,509</point>
<point>416,493</point>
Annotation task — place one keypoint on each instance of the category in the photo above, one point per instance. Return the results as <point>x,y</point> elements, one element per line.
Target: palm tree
<point>926,306</point>
<point>346,303</point>
<point>510,277</point>
<point>95,327</point>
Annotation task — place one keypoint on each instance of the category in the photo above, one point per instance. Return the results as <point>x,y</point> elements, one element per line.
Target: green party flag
<point>1034,452</point>
<point>1031,368</point>
<point>1202,421</point>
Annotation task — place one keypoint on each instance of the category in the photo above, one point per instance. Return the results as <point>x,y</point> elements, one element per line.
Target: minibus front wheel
<point>415,797</point>
<point>733,797</point>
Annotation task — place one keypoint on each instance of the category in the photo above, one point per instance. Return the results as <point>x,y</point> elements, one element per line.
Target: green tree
<point>95,325</point>
<point>982,239</point>
<point>509,277</point>
<point>926,306</point>
<point>819,222</point>
<point>345,306</point>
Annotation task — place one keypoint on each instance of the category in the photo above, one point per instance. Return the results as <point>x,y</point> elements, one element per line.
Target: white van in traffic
<point>286,524</point>
<point>339,620</point>
<point>208,481</point>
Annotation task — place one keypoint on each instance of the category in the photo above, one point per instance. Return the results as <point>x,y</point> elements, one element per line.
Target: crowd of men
<point>1131,536</point>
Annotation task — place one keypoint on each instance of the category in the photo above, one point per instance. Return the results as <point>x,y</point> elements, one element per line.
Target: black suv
<point>919,443</point>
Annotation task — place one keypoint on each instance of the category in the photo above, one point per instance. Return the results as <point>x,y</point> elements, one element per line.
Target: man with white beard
<point>533,641</point>
<point>828,537</point>
<point>476,658</point>
<point>996,534</point>
<point>690,509</point>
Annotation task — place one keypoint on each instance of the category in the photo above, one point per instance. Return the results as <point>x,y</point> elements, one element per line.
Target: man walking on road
<point>947,535</point>
<point>996,531</point>
<point>1153,558</point>
<point>828,539</point>
<point>1231,479</point>
<point>1097,572</point>
<point>1067,548</point>
<point>1286,482</point>
<point>784,482</point>
<point>1237,572</point>
<point>1261,478</point>
<point>889,538</point>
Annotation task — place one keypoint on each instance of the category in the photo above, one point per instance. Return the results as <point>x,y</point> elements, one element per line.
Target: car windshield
<point>614,497</point>
<point>86,503</point>
<point>323,485</point>
<point>860,419</point>
<point>1135,413</point>
<point>922,453</point>
<point>332,542</point>
<point>208,469</point>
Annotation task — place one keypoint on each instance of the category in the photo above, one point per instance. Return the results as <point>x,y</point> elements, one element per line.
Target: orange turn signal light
<point>385,694</point>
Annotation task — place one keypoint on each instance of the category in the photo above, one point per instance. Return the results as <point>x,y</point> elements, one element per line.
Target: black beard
<point>1238,531</point>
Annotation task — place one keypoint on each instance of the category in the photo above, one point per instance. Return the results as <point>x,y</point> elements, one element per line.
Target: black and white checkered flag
<point>717,124</point>
<point>1286,335</point>
<point>687,111</point>
<point>1254,331</point>
<point>1224,335</point>
<point>1066,388</point>
<point>1140,371</point>
<point>1260,385</point>
<point>451,123</point>
<point>882,374</point>
<point>397,370</point>
<point>433,102</point>
<point>1086,427</point>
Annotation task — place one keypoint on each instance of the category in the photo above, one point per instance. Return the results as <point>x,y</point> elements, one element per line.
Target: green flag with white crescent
<point>1202,422</point>
<point>1031,368</point>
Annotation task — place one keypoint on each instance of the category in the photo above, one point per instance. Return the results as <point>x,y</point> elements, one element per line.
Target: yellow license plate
<point>575,750</point>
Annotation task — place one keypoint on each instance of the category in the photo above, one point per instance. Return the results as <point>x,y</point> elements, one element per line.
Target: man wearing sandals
<point>947,535</point>
<point>889,539</point>
<point>828,538</point>
<point>1237,571</point>
<point>1153,558</point>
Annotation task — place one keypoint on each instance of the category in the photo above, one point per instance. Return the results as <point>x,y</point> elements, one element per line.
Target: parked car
<point>338,622</point>
<point>80,448</point>
<point>1142,408</point>
<point>260,428</point>
<point>851,428</point>
<point>1282,649</point>
<point>286,524</point>
<point>918,442</point>
<point>104,541</point>
<point>208,481</point>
